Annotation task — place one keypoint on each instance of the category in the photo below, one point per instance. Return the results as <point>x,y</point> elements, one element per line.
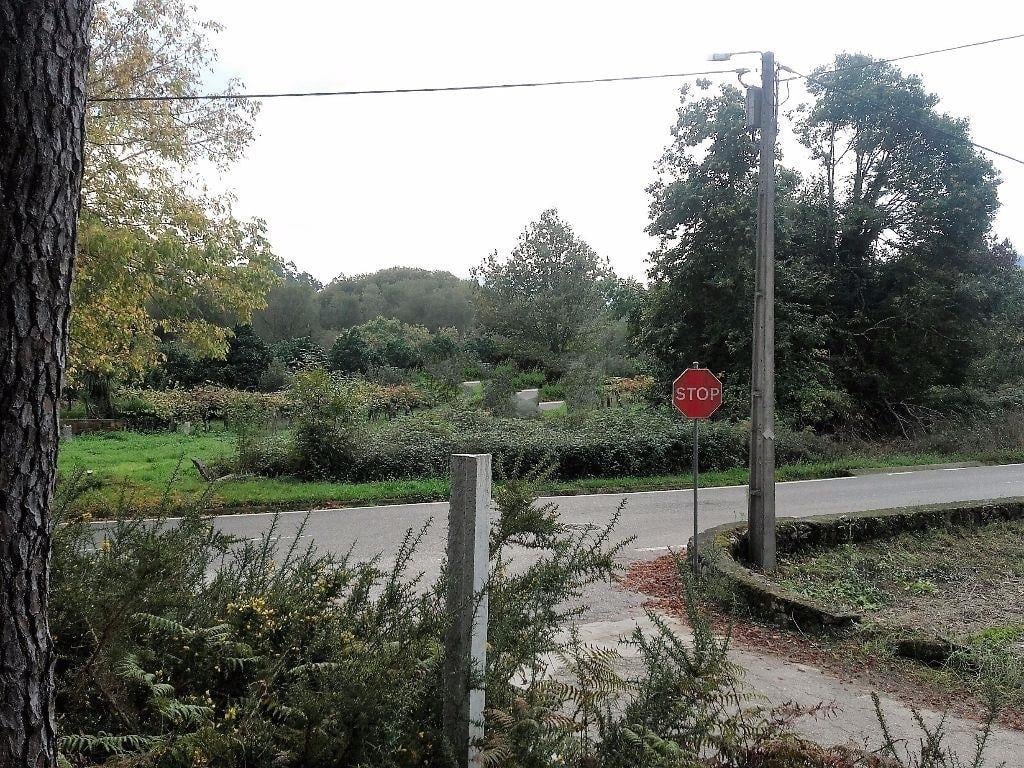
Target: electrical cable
<point>879,62</point>
<point>381,91</point>
<point>919,123</point>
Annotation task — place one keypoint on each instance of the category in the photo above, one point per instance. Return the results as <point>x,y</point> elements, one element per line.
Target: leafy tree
<point>381,342</point>
<point>698,307</point>
<point>350,353</point>
<point>415,296</point>
<point>905,236</point>
<point>293,308</point>
<point>443,345</point>
<point>158,255</point>
<point>44,57</point>
<point>247,360</point>
<point>135,289</point>
<point>547,297</point>
<point>888,278</point>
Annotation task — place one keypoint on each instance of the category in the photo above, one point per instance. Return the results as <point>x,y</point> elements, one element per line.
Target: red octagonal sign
<point>697,393</point>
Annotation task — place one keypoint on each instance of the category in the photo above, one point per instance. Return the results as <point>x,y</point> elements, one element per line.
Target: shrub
<point>632,390</point>
<point>350,353</point>
<point>552,392</point>
<point>627,441</point>
<point>180,647</point>
<point>532,379</point>
<point>300,354</point>
<point>275,378</point>
<point>582,384</point>
<point>150,409</point>
<point>499,389</point>
<point>325,431</point>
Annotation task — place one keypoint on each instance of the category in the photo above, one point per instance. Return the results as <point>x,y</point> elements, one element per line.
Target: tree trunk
<point>43,61</point>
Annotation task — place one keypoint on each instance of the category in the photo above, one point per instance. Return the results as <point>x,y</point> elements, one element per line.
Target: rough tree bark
<point>43,61</point>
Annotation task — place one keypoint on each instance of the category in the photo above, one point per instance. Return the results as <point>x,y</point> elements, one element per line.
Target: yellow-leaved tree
<point>160,256</point>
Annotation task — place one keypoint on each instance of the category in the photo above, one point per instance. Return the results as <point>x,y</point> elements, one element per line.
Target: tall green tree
<point>906,240</point>
<point>293,307</point>
<point>548,298</point>
<point>698,307</point>
<point>414,296</point>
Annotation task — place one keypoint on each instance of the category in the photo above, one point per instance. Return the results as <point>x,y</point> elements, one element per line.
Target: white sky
<point>355,184</point>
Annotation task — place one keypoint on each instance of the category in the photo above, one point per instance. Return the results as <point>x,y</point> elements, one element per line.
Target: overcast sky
<point>354,184</point>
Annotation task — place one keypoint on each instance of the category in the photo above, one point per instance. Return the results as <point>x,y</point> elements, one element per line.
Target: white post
<point>466,640</point>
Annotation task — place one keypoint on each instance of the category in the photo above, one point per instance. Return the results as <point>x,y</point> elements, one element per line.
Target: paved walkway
<point>853,721</point>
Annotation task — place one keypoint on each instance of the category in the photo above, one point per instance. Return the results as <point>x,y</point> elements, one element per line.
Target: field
<point>140,467</point>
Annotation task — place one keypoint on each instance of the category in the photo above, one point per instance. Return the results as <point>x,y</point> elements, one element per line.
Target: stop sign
<point>697,393</point>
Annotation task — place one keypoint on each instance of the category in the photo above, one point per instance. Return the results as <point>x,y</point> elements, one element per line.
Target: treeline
<point>553,304</point>
<point>896,304</point>
<point>301,306</point>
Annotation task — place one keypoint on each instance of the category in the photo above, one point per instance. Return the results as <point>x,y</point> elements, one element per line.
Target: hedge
<point>615,442</point>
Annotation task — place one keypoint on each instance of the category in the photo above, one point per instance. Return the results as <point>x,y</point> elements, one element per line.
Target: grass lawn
<point>141,467</point>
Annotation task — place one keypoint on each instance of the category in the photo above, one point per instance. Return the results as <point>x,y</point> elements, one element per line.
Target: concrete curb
<point>721,552</point>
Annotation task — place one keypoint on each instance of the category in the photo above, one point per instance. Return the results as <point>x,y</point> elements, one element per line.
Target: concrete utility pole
<point>761,499</point>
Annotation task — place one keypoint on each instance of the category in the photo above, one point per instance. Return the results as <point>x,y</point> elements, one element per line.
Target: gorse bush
<point>180,647</point>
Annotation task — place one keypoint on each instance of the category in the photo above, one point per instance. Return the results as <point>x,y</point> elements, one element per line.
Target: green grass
<point>142,466</point>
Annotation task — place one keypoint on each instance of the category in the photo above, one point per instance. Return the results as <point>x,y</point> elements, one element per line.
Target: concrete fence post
<point>465,645</point>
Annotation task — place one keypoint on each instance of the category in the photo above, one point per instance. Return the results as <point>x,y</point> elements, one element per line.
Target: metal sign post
<point>696,393</point>
<point>696,484</point>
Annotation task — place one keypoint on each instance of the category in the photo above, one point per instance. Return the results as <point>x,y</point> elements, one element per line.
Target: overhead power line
<point>381,91</point>
<point>879,62</point>
<point>936,129</point>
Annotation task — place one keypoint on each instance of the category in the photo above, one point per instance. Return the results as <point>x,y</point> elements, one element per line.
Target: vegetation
<point>548,301</point>
<point>960,585</point>
<point>177,646</point>
<point>888,243</point>
<point>158,257</point>
<point>242,653</point>
<point>138,467</point>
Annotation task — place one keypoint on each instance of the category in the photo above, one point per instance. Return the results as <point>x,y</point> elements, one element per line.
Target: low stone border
<point>722,548</point>
<point>82,426</point>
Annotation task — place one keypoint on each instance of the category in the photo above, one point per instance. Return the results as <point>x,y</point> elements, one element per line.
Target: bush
<point>325,430</point>
<point>629,441</point>
<point>552,392</point>
<point>152,409</point>
<point>300,354</point>
<point>499,390</point>
<point>180,647</point>
<point>532,379</point>
<point>583,385</point>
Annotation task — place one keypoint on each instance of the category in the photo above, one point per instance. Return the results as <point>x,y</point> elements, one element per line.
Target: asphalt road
<point>658,519</point>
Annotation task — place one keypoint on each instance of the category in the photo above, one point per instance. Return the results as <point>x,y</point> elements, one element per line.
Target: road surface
<point>658,519</point>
